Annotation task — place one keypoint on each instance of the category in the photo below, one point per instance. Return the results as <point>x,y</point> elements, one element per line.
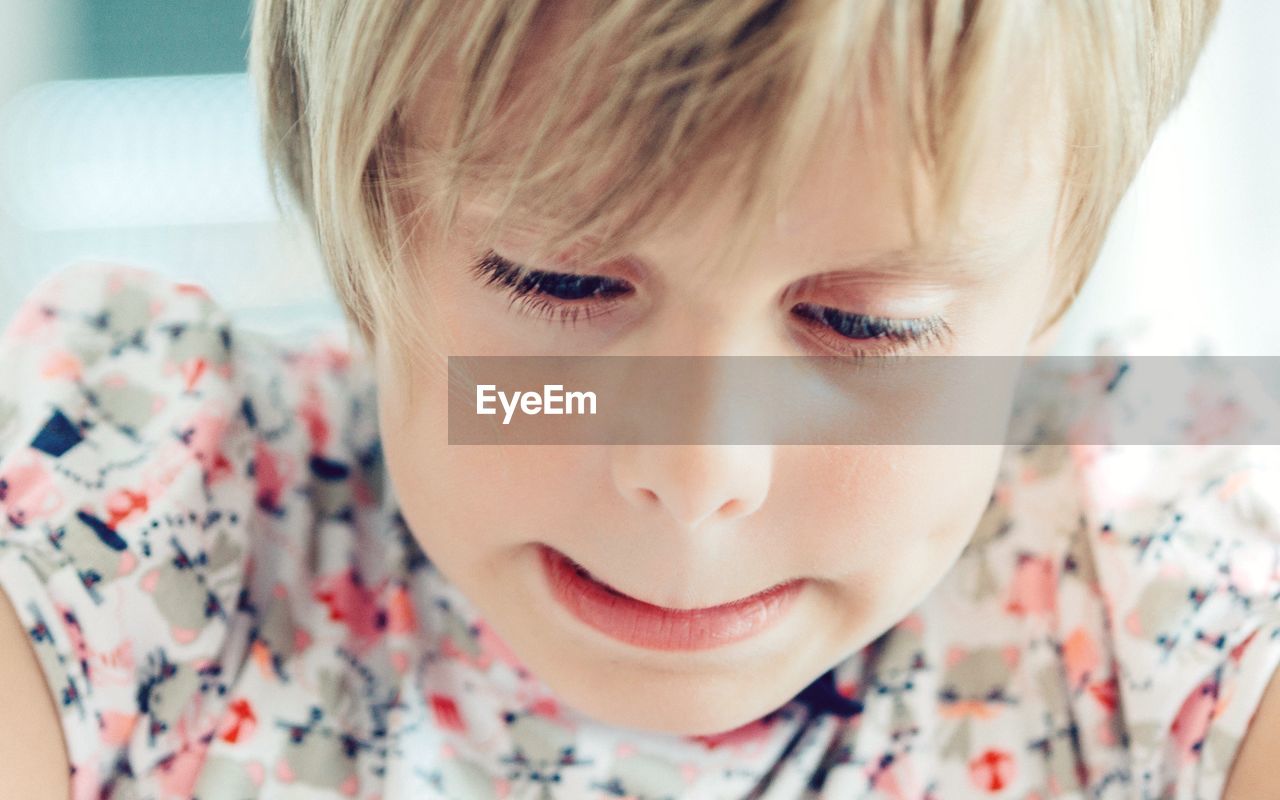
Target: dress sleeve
<point>123,462</point>
<point>1187,540</point>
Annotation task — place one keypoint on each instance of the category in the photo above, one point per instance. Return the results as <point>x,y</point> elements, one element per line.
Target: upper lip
<point>675,607</point>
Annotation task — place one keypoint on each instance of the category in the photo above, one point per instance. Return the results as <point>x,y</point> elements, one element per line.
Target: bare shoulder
<point>1253,775</point>
<point>33,759</point>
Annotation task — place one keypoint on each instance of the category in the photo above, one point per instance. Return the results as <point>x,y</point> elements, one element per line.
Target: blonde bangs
<point>599,128</point>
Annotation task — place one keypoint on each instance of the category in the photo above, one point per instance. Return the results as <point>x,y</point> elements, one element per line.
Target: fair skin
<point>693,526</point>
<point>33,764</point>
<point>870,529</point>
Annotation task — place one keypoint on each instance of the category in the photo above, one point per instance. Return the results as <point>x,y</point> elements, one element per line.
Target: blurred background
<point>128,133</point>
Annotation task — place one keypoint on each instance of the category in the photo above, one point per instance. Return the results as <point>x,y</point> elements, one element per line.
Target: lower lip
<point>654,627</point>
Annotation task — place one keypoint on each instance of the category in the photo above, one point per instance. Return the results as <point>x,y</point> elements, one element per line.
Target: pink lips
<point>654,627</point>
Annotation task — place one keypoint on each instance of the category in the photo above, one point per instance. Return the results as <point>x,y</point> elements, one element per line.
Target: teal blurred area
<point>99,39</point>
<point>134,38</point>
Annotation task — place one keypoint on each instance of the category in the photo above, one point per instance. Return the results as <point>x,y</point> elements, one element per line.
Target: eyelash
<point>834,326</point>
<point>535,291</point>
<point>530,288</point>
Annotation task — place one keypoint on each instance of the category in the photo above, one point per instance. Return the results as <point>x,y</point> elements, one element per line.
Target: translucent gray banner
<point>864,400</point>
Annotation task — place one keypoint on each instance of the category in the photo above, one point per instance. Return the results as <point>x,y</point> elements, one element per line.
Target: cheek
<point>866,518</point>
<point>509,496</point>
<point>859,510</point>
<point>472,503</point>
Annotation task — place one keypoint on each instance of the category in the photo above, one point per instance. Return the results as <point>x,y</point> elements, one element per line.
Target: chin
<point>672,703</point>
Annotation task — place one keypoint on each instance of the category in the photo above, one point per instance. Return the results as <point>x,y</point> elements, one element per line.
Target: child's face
<point>867,530</point>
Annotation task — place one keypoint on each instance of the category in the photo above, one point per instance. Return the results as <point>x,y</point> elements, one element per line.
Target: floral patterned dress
<point>197,534</point>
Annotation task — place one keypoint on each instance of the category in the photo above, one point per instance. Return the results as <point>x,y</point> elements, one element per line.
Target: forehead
<point>850,203</point>
<point>856,201</point>
<point>848,213</point>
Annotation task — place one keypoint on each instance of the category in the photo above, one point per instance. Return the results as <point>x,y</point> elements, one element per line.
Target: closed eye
<point>521,281</point>
<point>555,295</point>
<point>865,326</point>
<point>568,297</point>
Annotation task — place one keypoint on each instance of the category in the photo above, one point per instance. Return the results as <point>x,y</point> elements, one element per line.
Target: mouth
<point>653,627</point>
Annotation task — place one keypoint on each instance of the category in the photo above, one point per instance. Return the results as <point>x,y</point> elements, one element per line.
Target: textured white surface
<point>163,173</point>
<point>1194,252</point>
<point>125,153</point>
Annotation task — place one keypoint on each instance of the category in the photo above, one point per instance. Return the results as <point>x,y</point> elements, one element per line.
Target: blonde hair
<point>646,96</point>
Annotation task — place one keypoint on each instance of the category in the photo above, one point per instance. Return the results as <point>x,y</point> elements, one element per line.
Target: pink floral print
<point>198,535</point>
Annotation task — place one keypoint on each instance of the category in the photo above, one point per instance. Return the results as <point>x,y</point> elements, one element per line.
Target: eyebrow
<point>963,263</point>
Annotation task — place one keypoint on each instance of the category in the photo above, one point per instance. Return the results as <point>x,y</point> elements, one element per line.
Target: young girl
<point>249,568</point>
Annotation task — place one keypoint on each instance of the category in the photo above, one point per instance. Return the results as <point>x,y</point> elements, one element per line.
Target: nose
<point>693,483</point>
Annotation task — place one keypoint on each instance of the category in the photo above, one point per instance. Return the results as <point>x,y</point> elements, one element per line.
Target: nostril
<point>727,510</point>
<point>730,507</point>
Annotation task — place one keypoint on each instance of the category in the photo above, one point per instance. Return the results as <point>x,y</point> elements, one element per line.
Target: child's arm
<point>124,474</point>
<point>1253,775</point>
<point>33,759</point>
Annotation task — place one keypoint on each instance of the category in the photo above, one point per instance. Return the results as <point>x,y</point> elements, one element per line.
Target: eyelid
<point>891,300</point>
<point>935,340</point>
<point>913,328</point>
<point>523,282</point>
<point>571,262</point>
<point>524,285</point>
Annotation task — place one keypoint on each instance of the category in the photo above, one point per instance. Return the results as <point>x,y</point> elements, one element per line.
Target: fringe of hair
<point>651,95</point>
